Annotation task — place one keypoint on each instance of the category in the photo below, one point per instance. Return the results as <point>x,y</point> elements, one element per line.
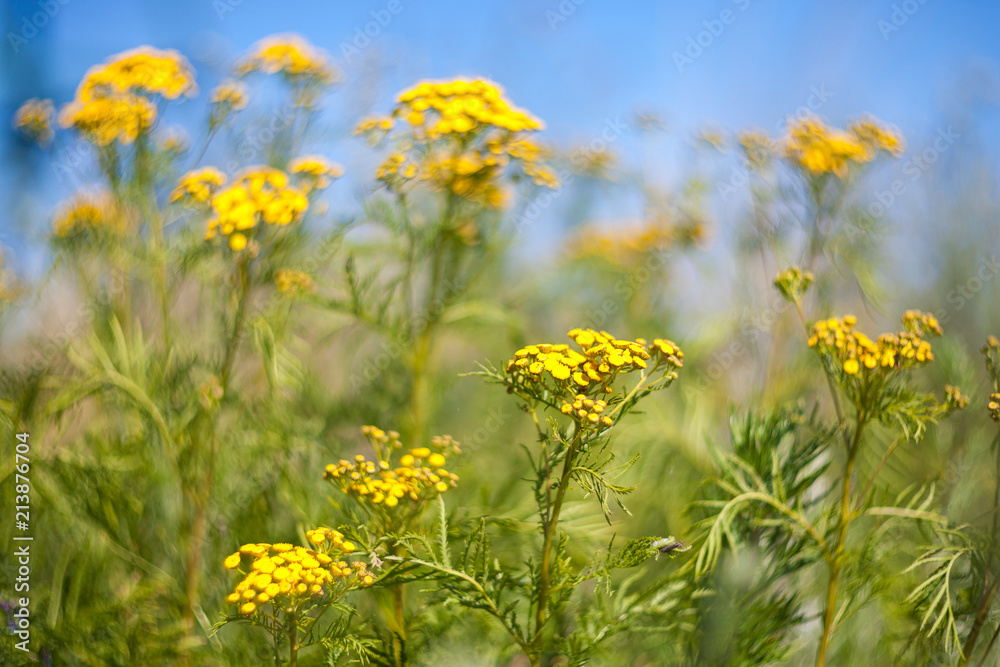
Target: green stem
<point>549,526</point>
<point>835,562</point>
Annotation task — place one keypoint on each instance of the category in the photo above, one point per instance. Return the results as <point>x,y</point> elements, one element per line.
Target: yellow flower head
<point>856,355</point>
<point>258,194</point>
<point>817,149</point>
<point>602,358</point>
<point>34,118</point>
<point>286,575</point>
<point>757,148</point>
<point>141,71</point>
<point>292,282</point>
<point>230,95</point>
<point>875,137</point>
<point>380,486</point>
<point>291,56</point>
<point>317,171</point>
<point>198,185</point>
<point>461,136</point>
<point>89,211</point>
<point>104,120</point>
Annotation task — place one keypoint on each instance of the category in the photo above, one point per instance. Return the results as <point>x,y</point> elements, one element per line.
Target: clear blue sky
<point>574,65</point>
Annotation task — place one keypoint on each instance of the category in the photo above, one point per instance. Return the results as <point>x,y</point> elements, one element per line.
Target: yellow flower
<point>818,149</point>
<point>34,118</point>
<point>257,194</point>
<point>295,59</point>
<point>141,71</point>
<point>104,120</point>
<point>232,562</point>
<point>293,282</point>
<point>231,95</point>
<point>198,185</point>
<point>89,211</point>
<point>317,169</point>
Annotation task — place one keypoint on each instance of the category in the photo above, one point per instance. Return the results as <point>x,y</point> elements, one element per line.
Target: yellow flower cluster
<point>626,244</point>
<point>88,211</point>
<point>793,283</point>
<point>874,137</point>
<point>230,95</point>
<point>603,358</point>
<point>420,475</point>
<point>34,118</point>
<point>587,411</point>
<point>458,107</point>
<point>993,407</point>
<point>291,56</point>
<point>854,353</point>
<point>316,170</point>
<point>141,71</point>
<point>462,137</point>
<point>954,399</point>
<point>259,193</point>
<point>108,119</point>
<point>283,574</point>
<point>198,185</point>
<point>818,149</point>
<point>112,102</point>
<point>374,125</point>
<point>756,146</point>
<point>291,282</point>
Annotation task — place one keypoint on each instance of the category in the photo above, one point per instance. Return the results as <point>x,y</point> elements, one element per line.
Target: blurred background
<point>641,102</point>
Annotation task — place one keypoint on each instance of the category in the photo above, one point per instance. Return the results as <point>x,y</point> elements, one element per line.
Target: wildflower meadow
<point>304,374</point>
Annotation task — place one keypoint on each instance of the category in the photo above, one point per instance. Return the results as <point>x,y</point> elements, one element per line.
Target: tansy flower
<point>419,476</point>
<point>34,119</point>
<point>198,185</point>
<point>291,56</point>
<point>88,211</point>
<point>292,282</point>
<point>317,171</point>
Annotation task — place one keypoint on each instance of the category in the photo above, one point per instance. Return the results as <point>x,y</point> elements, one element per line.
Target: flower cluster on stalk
<point>418,476</point>
<point>116,100</point>
<point>461,137</point>
<point>288,576</point>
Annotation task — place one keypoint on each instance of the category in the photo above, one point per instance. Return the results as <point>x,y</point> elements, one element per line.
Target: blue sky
<point>578,65</point>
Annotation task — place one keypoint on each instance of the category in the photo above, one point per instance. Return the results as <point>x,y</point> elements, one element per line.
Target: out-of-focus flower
<point>258,194</point>
<point>300,63</point>
<point>461,137</point>
<point>173,140</point>
<point>818,149</point>
<point>292,283</point>
<point>757,148</point>
<point>198,185</point>
<point>141,71</point>
<point>316,171</point>
<point>793,283</point>
<point>228,97</point>
<point>88,211</point>
<point>34,118</point>
<point>107,119</point>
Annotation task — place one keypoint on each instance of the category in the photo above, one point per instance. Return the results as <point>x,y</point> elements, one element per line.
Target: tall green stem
<point>835,561</point>
<point>549,528</point>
